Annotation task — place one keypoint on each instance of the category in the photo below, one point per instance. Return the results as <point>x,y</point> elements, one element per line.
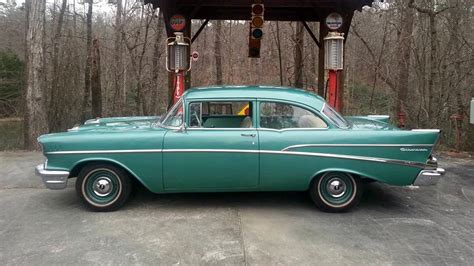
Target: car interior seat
<point>246,122</point>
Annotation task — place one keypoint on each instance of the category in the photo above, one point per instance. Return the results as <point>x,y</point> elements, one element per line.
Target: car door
<point>282,125</point>
<point>216,151</point>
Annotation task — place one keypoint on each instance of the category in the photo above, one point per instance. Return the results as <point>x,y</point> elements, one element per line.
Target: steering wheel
<point>197,118</point>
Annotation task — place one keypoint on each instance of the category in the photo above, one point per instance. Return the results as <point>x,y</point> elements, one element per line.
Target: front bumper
<point>52,179</point>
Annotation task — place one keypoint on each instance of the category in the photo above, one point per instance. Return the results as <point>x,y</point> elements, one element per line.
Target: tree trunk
<point>55,102</point>
<point>299,47</point>
<point>87,70</point>
<point>159,96</point>
<point>404,50</point>
<point>312,65</point>
<point>217,52</point>
<point>323,31</point>
<point>96,91</point>
<point>35,122</point>
<point>118,97</point>
<point>280,59</point>
<point>433,65</point>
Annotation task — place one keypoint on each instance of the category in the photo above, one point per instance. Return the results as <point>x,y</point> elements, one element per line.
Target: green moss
<point>11,133</point>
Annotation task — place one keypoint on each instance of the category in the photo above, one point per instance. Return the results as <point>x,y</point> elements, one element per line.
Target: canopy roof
<point>282,10</point>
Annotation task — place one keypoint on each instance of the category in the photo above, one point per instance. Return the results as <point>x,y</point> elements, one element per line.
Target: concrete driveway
<point>392,225</point>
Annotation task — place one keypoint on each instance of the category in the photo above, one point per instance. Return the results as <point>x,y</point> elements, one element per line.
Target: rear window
<point>335,117</point>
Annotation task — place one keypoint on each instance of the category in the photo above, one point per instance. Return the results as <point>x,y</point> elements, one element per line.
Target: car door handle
<point>248,135</point>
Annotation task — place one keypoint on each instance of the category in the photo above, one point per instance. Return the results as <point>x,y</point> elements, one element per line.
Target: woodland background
<point>65,61</point>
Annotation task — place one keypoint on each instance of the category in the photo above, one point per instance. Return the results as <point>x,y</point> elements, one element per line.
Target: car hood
<point>117,123</point>
<point>368,123</point>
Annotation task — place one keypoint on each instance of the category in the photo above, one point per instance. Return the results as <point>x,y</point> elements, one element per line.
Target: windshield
<point>174,117</point>
<point>335,117</point>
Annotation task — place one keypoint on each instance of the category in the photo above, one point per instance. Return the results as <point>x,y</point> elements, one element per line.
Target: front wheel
<point>103,187</point>
<point>336,191</point>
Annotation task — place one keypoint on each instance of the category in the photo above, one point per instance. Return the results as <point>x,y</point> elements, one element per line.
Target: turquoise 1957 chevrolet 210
<point>239,139</point>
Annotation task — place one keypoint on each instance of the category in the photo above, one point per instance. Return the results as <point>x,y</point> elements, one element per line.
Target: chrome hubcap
<point>336,187</point>
<point>102,186</point>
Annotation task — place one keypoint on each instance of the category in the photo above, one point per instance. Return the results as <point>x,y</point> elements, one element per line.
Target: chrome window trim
<point>332,121</point>
<point>167,114</point>
<point>292,129</point>
<point>379,116</point>
<point>250,100</point>
<point>219,128</point>
<point>200,113</point>
<point>282,152</point>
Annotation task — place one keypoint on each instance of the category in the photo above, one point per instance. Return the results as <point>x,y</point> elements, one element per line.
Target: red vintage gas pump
<point>333,62</point>
<point>333,58</point>
<point>178,61</point>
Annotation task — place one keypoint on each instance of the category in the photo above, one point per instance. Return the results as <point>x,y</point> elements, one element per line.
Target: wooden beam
<point>310,32</point>
<point>203,25</point>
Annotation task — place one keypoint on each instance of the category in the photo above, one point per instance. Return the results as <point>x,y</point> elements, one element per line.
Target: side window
<point>195,114</point>
<point>281,116</point>
<point>220,114</point>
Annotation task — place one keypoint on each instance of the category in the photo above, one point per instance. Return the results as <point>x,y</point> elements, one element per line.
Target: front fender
<point>81,163</point>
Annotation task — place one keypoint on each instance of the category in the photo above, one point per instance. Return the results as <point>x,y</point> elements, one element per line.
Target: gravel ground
<point>392,225</point>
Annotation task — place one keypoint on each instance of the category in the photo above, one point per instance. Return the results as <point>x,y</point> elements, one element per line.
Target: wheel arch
<point>357,174</point>
<point>80,164</point>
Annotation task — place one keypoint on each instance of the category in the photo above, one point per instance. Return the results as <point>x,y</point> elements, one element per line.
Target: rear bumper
<point>429,177</point>
<point>52,179</point>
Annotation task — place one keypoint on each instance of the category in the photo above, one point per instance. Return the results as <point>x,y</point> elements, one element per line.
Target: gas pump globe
<point>334,51</point>
<point>177,53</point>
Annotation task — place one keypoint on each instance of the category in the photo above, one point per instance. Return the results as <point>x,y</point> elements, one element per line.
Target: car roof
<point>259,92</point>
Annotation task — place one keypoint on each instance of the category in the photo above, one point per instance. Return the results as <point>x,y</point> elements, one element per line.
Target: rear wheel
<point>336,191</point>
<point>103,187</point>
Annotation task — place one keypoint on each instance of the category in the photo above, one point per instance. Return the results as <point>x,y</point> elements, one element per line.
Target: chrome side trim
<point>315,154</point>
<point>426,130</point>
<point>52,179</point>
<point>354,145</point>
<point>209,150</point>
<point>349,157</point>
<point>282,152</point>
<point>105,151</point>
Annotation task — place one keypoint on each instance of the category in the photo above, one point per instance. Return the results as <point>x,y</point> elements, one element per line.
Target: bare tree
<point>55,102</point>
<point>96,90</point>
<point>404,60</point>
<point>276,36</point>
<point>119,93</point>
<point>35,122</point>
<point>87,70</point>
<point>159,98</point>
<point>433,78</point>
<point>299,47</point>
<point>217,51</point>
